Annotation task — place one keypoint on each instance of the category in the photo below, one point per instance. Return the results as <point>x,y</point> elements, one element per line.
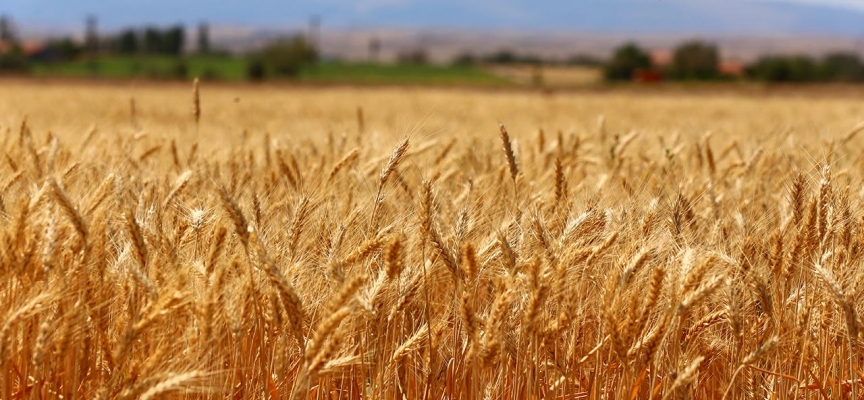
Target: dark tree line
<point>150,40</point>
<point>509,57</point>
<point>701,61</point>
<point>837,67</point>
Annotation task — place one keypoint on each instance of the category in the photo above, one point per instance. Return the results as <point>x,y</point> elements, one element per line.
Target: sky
<point>766,17</point>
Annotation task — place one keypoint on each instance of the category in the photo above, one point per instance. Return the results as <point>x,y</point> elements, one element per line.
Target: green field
<point>234,69</point>
<point>146,67</point>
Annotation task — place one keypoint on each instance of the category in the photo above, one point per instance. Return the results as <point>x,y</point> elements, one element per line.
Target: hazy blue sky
<point>845,17</point>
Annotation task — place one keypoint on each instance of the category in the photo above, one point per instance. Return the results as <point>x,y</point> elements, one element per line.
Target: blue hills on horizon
<point>683,17</point>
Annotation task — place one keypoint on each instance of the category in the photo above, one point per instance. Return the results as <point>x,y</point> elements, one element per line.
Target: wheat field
<point>254,242</point>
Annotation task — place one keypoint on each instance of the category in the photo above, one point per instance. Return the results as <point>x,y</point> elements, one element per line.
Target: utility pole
<point>203,38</point>
<point>91,34</point>
<point>374,49</point>
<point>91,42</point>
<point>858,46</point>
<point>315,32</point>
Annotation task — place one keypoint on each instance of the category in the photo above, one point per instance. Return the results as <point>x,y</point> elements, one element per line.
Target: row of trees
<point>509,57</point>
<point>701,61</point>
<point>283,57</point>
<point>690,61</point>
<point>838,67</point>
<point>150,40</point>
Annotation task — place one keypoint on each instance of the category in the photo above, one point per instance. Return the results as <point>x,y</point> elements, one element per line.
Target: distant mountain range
<point>823,17</point>
<point>443,28</point>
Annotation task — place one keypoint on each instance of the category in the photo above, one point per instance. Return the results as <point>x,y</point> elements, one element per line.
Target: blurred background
<point>506,43</point>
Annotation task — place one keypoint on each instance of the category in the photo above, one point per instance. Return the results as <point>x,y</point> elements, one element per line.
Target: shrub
<point>255,70</point>
<point>695,60</point>
<point>14,61</point>
<point>287,57</point>
<point>179,70</point>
